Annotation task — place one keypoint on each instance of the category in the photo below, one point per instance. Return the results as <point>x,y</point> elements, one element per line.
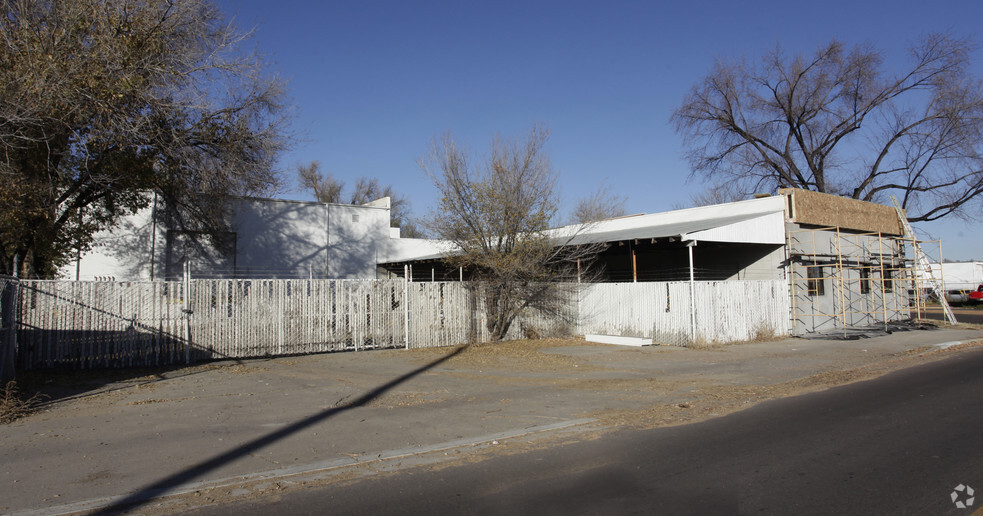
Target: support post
<point>880,247</point>
<point>634,265</point>
<point>187,312</point>
<point>406,309</point>
<point>840,272</point>
<point>692,292</point>
<point>790,260</point>
<point>153,236</point>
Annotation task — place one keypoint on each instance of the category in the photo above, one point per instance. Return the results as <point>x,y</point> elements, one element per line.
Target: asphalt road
<point>899,444</point>
<point>963,315</point>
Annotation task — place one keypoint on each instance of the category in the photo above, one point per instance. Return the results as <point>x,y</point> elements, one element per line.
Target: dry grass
<point>946,326</point>
<point>525,355</point>
<point>761,334</point>
<point>767,334</point>
<point>701,343</point>
<point>409,398</point>
<point>15,405</point>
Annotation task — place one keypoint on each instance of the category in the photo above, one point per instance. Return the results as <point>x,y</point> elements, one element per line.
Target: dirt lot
<point>232,429</point>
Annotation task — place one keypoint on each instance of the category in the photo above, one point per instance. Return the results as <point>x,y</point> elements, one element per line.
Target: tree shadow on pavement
<point>164,486</point>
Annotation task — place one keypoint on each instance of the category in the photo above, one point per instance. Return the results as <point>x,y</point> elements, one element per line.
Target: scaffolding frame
<point>875,279</point>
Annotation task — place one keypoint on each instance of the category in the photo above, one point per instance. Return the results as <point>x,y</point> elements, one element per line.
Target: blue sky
<point>374,81</point>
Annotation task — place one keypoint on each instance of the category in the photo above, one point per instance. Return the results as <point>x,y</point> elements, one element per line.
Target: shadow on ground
<point>162,487</point>
<point>59,385</point>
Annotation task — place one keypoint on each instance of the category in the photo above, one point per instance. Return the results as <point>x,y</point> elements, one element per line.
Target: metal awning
<point>756,221</point>
<point>759,221</point>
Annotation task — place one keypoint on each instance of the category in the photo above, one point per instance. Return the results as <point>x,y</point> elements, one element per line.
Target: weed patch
<point>15,405</point>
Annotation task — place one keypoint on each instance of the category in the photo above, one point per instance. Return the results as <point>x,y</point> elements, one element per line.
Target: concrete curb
<point>946,345</point>
<point>316,469</point>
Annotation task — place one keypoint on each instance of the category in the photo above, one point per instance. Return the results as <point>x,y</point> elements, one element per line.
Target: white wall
<point>294,239</point>
<point>959,275</point>
<point>272,239</point>
<point>122,253</point>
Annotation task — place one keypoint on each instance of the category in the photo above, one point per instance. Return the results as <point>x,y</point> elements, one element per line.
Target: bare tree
<point>327,188</point>
<point>837,122</point>
<point>600,205</point>
<point>497,213</point>
<point>106,103</point>
<point>717,194</point>
<point>324,188</point>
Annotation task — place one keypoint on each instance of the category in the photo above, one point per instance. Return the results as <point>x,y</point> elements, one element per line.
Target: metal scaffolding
<point>874,278</point>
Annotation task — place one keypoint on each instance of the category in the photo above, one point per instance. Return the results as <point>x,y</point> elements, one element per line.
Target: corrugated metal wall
<point>724,310</point>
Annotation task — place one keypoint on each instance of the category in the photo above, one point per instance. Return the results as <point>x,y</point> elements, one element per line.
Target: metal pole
<point>840,274</point>
<point>880,248</point>
<point>692,292</point>
<point>406,309</point>
<point>790,259</point>
<point>187,312</point>
<point>153,236</point>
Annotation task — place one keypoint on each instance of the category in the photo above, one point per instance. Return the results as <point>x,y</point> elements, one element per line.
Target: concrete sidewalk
<point>228,422</point>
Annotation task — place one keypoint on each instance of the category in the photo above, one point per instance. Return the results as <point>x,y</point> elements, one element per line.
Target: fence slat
<point>107,324</point>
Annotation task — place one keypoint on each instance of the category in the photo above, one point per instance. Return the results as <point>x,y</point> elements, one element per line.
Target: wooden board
<point>826,210</point>
<point>619,340</point>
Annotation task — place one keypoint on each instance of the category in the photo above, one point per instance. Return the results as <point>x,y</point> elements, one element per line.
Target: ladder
<point>923,266</point>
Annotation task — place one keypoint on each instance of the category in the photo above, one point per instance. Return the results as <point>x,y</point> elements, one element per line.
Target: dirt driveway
<point>231,429</point>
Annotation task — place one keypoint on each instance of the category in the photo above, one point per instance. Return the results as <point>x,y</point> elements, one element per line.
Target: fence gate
<point>8,323</point>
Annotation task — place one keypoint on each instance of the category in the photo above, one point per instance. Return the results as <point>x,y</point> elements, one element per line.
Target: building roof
<point>758,221</point>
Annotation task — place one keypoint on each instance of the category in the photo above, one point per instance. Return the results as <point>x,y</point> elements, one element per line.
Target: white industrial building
<point>841,259</point>
<point>267,238</point>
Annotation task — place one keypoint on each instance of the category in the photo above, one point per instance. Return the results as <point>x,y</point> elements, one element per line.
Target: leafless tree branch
<point>837,122</point>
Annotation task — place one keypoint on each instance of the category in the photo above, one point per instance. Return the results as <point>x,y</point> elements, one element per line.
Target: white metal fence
<point>122,324</point>
<point>720,311</point>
